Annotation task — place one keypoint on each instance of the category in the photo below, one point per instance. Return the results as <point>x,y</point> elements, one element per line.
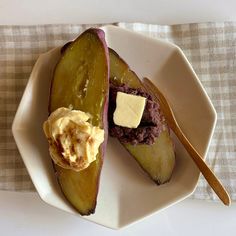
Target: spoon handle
<point>202,166</point>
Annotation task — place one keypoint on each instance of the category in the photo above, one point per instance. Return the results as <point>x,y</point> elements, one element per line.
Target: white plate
<point>126,194</point>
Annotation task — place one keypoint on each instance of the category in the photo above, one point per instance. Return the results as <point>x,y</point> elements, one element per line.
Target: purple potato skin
<point>100,33</point>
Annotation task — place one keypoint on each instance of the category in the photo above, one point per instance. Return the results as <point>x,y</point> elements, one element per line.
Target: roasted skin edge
<point>86,58</point>
<point>156,160</point>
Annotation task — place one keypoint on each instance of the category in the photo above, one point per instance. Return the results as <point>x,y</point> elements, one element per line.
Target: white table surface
<point>100,11</point>
<point>24,213</point>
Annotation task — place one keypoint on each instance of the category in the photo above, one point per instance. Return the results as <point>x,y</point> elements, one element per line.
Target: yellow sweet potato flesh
<point>158,159</point>
<point>81,81</point>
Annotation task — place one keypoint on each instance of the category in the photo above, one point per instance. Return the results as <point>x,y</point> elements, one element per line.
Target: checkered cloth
<point>210,47</point>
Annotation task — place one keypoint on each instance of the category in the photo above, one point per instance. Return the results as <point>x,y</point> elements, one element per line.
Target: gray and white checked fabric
<point>210,47</point>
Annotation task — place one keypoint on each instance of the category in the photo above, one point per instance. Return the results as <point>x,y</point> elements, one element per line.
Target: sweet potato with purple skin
<point>81,81</point>
<point>158,159</point>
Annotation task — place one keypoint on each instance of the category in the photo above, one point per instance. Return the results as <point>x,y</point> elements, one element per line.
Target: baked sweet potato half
<point>157,159</point>
<point>81,82</point>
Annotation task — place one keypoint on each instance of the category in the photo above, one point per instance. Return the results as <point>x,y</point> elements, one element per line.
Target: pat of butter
<point>129,110</point>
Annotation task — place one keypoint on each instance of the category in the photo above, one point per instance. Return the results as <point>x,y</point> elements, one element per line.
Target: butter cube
<point>129,110</point>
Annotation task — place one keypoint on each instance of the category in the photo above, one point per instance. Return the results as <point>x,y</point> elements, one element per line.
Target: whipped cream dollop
<point>73,141</point>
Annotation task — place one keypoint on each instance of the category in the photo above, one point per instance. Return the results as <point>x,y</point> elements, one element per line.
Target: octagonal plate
<point>126,194</point>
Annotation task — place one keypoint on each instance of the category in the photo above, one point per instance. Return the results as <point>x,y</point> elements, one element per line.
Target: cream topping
<point>73,141</point>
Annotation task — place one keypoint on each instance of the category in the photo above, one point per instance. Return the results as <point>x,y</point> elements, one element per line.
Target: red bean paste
<point>151,124</point>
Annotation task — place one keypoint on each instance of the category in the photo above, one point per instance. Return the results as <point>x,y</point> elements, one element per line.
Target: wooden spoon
<point>202,166</point>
